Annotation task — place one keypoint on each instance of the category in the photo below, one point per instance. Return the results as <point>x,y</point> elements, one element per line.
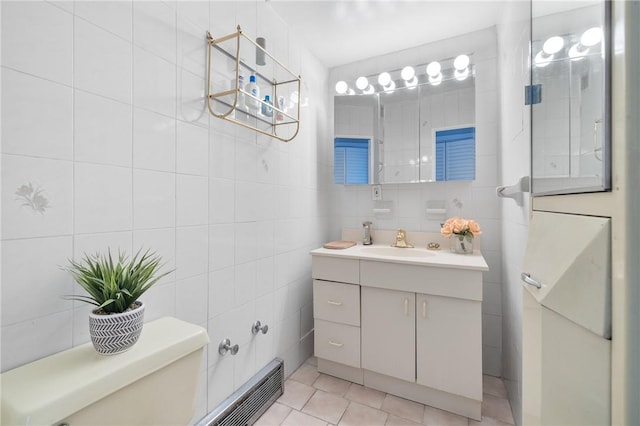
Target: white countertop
<point>442,258</point>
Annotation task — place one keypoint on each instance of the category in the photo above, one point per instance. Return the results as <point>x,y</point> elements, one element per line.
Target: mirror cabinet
<point>570,97</point>
<point>423,133</point>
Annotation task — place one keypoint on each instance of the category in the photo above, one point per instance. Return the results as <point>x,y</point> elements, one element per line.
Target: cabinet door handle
<point>336,344</point>
<point>406,307</point>
<point>334,303</point>
<point>424,309</point>
<point>526,277</point>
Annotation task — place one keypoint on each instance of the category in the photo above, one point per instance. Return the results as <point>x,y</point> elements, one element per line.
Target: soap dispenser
<point>367,241</point>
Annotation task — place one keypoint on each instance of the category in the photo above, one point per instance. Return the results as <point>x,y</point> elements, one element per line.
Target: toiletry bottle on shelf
<point>240,104</point>
<point>252,101</point>
<point>267,111</point>
<point>279,115</point>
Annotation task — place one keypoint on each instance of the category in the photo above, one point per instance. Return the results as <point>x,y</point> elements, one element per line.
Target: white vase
<point>115,333</point>
<point>461,244</point>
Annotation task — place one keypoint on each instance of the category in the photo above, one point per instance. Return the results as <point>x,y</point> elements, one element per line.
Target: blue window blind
<point>456,154</point>
<point>351,161</point>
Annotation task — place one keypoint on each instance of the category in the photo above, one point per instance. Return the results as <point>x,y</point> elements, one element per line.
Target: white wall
<point>351,205</point>
<point>513,51</point>
<point>103,111</point>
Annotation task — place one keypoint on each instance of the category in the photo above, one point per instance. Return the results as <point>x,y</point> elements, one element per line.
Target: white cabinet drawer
<point>449,282</point>
<point>335,269</point>
<point>337,342</point>
<point>336,302</point>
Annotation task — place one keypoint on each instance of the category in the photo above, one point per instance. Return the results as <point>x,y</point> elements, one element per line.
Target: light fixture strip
<point>393,77</point>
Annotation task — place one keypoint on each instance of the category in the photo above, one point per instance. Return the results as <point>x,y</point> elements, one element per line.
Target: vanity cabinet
<point>432,340</point>
<point>409,328</point>
<point>389,332</point>
<point>449,344</point>
<point>336,308</point>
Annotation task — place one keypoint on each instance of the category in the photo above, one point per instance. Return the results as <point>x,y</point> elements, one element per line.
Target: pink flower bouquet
<point>463,229</point>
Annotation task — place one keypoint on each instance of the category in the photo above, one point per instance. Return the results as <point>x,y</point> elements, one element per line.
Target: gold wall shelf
<point>228,57</point>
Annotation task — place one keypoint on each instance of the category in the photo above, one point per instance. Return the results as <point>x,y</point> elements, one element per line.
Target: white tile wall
<point>192,149</point>
<point>350,205</point>
<point>33,292</point>
<point>190,293</point>
<point>102,130</point>
<point>513,45</point>
<point>26,50</point>
<point>191,200</point>
<point>37,198</point>
<point>221,246</point>
<point>22,95</point>
<point>114,134</point>
<point>116,242</point>
<point>191,95</point>
<point>154,199</point>
<point>154,28</point>
<point>154,80</point>
<point>154,141</point>
<point>191,251</point>
<point>43,336</point>
<point>101,62</point>
<point>102,198</point>
<point>113,16</point>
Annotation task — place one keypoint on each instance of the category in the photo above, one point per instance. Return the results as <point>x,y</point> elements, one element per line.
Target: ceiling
<point>341,32</point>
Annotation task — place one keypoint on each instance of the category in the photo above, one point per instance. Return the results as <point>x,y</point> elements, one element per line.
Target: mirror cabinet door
<point>356,130</point>
<point>398,145</point>
<point>570,97</point>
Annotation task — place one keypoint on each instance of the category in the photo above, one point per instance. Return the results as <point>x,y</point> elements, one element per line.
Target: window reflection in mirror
<point>456,154</point>
<point>351,161</point>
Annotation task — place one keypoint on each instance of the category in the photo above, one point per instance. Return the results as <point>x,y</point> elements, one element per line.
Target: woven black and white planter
<point>115,333</point>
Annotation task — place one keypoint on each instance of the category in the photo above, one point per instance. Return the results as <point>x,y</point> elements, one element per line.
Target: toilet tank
<point>153,383</point>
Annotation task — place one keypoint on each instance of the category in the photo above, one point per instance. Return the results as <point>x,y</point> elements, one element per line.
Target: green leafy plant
<point>115,286</point>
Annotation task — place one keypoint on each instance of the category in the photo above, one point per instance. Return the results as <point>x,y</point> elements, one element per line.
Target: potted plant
<point>114,288</point>
<point>463,231</point>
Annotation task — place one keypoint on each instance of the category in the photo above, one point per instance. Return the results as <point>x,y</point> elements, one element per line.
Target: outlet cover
<point>376,192</point>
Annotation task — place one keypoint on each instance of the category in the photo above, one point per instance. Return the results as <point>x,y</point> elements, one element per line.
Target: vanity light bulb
<point>341,87</point>
<point>553,45</point>
<point>351,92</point>
<point>362,83</point>
<point>407,73</point>
<point>411,84</point>
<point>461,62</point>
<point>461,74</point>
<point>591,37</point>
<point>541,60</point>
<point>433,69</point>
<point>575,53</point>
<point>384,78</point>
<point>435,80</point>
<point>369,90</point>
<point>389,88</point>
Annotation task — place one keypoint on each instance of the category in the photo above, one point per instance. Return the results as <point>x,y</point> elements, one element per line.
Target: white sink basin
<point>397,252</point>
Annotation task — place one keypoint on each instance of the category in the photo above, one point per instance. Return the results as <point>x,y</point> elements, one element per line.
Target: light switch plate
<point>376,192</point>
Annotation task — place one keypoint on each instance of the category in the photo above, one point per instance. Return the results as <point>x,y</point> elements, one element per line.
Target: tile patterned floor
<point>312,398</point>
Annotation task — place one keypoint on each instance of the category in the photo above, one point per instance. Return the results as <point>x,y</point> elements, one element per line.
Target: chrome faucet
<point>401,240</point>
<point>367,241</point>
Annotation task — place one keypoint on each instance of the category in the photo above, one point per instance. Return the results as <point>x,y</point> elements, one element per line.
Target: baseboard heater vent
<point>251,400</point>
